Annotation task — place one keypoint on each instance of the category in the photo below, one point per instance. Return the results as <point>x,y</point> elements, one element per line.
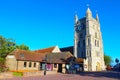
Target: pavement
<point>109,75</point>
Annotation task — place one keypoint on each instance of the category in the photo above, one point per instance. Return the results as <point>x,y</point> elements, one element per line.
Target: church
<point>87,49</point>
<point>88,42</point>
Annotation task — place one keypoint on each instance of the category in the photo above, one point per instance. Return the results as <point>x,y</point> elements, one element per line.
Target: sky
<point>44,23</point>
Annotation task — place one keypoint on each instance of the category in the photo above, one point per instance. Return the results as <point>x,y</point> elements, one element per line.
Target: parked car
<point>116,67</point>
<point>109,68</point>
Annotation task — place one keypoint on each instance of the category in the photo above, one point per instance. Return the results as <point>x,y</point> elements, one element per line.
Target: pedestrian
<point>67,68</point>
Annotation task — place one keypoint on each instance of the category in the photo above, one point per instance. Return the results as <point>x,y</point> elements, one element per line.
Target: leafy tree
<point>117,60</point>
<point>6,46</point>
<point>107,60</point>
<point>22,46</point>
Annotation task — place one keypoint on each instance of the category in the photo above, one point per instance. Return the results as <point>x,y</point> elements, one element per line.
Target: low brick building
<point>52,58</point>
<point>23,60</point>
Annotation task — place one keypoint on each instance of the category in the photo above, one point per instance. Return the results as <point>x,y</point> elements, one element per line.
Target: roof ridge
<point>45,48</point>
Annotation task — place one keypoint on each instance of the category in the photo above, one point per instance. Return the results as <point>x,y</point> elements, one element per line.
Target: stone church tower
<point>88,42</point>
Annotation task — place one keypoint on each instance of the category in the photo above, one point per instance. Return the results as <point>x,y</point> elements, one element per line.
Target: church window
<point>25,64</point>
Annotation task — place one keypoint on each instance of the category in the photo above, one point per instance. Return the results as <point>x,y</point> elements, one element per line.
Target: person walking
<point>67,68</point>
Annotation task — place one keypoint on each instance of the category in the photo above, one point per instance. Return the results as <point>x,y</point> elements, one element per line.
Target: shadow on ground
<point>109,74</point>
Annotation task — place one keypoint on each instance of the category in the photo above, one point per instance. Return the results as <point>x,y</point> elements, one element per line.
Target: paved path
<point>81,76</point>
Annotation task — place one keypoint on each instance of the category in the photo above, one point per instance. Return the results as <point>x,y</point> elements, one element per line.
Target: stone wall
<point>11,62</point>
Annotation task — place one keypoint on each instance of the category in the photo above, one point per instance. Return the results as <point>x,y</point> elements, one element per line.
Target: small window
<point>21,55</point>
<point>55,65</point>
<point>30,64</point>
<point>34,64</point>
<point>25,64</point>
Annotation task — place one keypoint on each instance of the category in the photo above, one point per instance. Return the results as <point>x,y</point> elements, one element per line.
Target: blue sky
<point>45,23</point>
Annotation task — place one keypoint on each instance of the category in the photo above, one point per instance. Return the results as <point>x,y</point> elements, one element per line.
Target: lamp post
<point>45,65</point>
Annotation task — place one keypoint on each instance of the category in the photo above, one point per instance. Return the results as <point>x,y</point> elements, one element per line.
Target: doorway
<point>98,68</point>
<point>60,68</point>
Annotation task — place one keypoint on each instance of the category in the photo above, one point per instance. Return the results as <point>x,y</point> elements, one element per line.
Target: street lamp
<point>45,65</point>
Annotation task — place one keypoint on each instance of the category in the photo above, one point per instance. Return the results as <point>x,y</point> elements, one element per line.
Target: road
<point>82,76</point>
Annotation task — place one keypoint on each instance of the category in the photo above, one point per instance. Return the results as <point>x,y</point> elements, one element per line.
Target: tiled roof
<point>69,48</point>
<point>45,50</point>
<point>27,55</point>
<point>60,57</point>
<point>79,60</point>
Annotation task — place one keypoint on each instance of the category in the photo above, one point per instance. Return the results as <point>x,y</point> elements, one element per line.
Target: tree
<point>117,60</point>
<point>6,46</point>
<point>22,46</point>
<point>107,60</point>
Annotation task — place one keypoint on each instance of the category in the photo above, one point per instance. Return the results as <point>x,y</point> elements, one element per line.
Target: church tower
<point>88,42</point>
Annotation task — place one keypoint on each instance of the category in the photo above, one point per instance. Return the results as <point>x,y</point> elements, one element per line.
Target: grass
<point>18,74</point>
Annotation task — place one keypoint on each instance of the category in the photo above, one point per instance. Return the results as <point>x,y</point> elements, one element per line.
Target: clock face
<point>78,28</point>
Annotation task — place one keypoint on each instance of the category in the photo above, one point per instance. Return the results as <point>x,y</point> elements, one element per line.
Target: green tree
<point>117,60</point>
<point>6,46</point>
<point>107,60</point>
<point>22,46</point>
